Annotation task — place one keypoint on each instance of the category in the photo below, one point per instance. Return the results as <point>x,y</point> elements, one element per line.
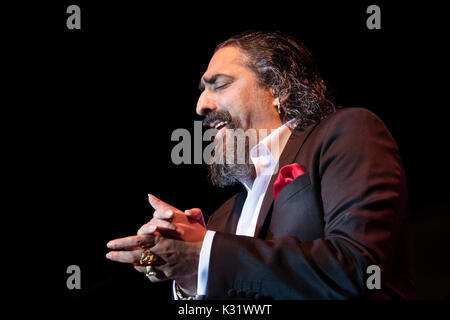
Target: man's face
<point>231,87</point>
<point>233,99</point>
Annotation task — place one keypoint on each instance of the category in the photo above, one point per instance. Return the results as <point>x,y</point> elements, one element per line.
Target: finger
<point>156,224</point>
<point>143,240</point>
<point>124,256</point>
<point>140,269</point>
<point>157,203</point>
<point>147,229</point>
<point>160,276</point>
<point>162,224</point>
<point>163,214</point>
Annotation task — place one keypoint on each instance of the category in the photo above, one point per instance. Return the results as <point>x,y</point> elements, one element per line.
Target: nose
<point>205,105</point>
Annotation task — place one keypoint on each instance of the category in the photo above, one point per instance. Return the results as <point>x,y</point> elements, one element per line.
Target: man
<point>323,198</point>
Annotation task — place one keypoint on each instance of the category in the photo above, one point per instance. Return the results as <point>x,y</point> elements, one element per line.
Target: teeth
<point>220,124</point>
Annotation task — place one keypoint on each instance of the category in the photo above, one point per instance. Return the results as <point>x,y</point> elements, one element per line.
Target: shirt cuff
<point>174,291</point>
<point>203,266</point>
<point>203,263</point>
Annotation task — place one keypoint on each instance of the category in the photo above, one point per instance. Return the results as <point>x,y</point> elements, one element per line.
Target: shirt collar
<point>266,153</point>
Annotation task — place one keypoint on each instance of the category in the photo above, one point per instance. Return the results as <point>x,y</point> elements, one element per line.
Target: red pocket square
<point>286,175</point>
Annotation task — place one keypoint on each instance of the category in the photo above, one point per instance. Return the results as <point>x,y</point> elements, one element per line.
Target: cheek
<point>231,102</point>
<point>240,103</point>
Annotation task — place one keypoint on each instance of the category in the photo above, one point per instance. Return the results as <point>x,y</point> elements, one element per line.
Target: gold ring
<point>149,271</point>
<point>147,257</point>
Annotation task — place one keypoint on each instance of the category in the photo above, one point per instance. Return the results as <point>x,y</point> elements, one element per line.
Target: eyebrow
<point>211,80</point>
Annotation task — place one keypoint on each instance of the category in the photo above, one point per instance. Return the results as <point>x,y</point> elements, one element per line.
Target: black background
<point>97,107</point>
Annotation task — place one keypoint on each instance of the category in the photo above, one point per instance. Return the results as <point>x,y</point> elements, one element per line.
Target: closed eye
<point>216,82</point>
<point>221,86</point>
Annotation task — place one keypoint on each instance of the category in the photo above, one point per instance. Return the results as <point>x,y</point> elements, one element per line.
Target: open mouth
<point>219,125</point>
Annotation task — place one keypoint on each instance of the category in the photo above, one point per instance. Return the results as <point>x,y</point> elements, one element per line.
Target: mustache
<point>217,115</point>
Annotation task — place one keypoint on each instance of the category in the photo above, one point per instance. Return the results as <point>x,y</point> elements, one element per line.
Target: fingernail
<point>151,229</point>
<point>108,255</point>
<point>187,212</point>
<point>108,244</point>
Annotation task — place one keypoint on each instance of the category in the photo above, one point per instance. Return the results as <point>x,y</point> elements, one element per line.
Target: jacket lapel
<point>225,218</point>
<point>235,213</point>
<point>288,156</point>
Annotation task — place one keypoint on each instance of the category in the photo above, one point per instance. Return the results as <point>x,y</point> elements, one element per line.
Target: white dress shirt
<point>265,156</point>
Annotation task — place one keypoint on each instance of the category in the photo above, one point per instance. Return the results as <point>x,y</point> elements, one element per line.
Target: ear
<point>276,99</point>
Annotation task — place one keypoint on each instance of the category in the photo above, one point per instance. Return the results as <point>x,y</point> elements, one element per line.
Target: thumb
<point>194,213</point>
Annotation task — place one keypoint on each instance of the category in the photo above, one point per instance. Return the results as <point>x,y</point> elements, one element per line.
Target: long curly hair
<point>283,64</point>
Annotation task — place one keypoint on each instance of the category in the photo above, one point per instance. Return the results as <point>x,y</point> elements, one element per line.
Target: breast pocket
<point>295,186</point>
<point>297,211</point>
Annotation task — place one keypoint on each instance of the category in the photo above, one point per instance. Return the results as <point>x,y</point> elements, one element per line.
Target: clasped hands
<point>174,237</point>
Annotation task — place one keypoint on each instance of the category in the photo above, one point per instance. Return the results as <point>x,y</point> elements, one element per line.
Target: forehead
<point>226,60</point>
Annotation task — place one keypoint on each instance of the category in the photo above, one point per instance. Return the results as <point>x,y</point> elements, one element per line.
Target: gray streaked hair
<point>283,64</point>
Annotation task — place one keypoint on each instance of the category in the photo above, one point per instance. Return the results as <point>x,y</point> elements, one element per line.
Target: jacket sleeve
<point>362,186</point>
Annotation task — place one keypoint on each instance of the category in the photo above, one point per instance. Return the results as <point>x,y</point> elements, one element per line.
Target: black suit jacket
<point>316,240</point>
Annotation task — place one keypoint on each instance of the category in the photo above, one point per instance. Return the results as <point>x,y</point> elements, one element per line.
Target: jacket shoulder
<point>352,123</point>
<point>357,116</point>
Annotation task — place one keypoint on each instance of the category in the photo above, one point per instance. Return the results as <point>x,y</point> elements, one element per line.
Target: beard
<point>222,172</point>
